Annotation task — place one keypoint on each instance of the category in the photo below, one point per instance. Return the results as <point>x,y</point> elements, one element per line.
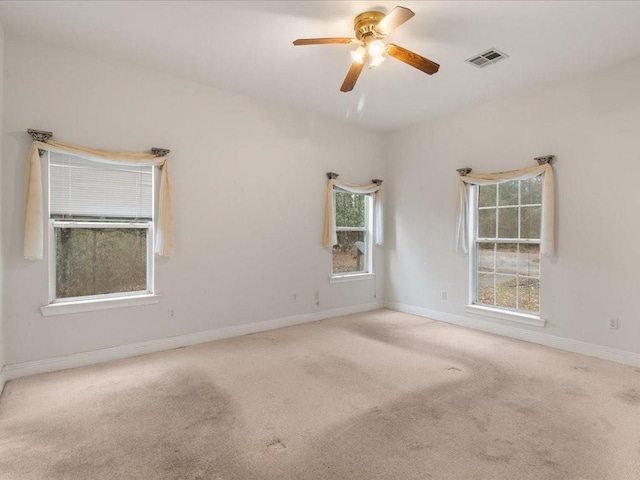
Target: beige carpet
<point>381,395</point>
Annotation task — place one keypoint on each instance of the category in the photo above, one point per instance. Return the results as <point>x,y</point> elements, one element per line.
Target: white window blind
<point>84,188</point>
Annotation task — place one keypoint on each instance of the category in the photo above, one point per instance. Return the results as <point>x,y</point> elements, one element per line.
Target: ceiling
<point>246,47</point>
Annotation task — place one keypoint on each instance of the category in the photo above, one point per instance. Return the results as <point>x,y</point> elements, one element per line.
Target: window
<point>352,254</point>
<point>101,229</point>
<point>506,245</point>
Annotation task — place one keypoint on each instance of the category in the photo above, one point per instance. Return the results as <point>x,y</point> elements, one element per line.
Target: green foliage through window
<point>350,254</point>
<point>350,209</point>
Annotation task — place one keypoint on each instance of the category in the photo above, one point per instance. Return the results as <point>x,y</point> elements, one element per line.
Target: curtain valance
<point>34,221</point>
<point>547,235</point>
<point>330,236</point>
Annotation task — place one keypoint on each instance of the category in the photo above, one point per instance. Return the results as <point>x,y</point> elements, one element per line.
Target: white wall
<point>592,125</point>
<point>249,180</point>
<point>240,258</point>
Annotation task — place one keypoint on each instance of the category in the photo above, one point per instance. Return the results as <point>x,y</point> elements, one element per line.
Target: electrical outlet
<point>294,297</point>
<point>170,314</point>
<point>316,295</point>
<point>613,323</point>
<point>443,295</point>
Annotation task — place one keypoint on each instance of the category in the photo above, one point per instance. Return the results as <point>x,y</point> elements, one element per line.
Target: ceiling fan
<point>370,28</point>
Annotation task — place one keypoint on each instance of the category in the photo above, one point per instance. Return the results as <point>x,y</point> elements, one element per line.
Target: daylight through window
<point>352,254</point>
<point>506,246</point>
<point>101,228</point>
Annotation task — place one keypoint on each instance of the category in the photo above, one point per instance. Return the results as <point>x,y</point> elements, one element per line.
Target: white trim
<point>57,223</point>
<point>52,261</point>
<point>369,235</point>
<point>474,240</point>
<point>351,277</point>
<point>53,224</point>
<point>351,229</point>
<point>576,346</point>
<point>518,317</point>
<point>472,257</point>
<point>368,241</point>
<point>64,308</point>
<point>2,379</point>
<point>115,353</point>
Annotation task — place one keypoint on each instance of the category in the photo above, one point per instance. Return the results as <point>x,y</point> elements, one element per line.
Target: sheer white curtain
<point>330,236</point>
<point>34,220</point>
<point>547,235</point>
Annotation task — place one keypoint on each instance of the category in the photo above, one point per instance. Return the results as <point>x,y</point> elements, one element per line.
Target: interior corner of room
<point>265,144</point>
<point>241,260</point>
<point>245,261</point>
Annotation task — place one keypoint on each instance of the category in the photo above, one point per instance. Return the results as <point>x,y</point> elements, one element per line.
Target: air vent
<point>486,58</point>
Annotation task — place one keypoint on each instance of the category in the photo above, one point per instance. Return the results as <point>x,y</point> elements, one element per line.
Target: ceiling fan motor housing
<point>364,25</point>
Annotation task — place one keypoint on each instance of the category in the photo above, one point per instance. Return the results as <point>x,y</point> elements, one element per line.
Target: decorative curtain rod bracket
<point>332,175</point>
<point>545,159</point>
<point>39,136</point>
<point>377,181</point>
<point>160,152</point>
<point>463,172</point>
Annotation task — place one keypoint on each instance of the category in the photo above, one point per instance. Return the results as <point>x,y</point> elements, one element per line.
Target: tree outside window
<point>352,252</point>
<point>506,251</point>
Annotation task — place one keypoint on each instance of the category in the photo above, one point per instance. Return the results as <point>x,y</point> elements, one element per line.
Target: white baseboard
<point>115,353</point>
<point>576,346</point>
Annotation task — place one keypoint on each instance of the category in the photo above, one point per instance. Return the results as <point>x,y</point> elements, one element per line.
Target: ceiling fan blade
<point>393,20</point>
<point>323,41</point>
<point>413,59</point>
<point>352,76</point>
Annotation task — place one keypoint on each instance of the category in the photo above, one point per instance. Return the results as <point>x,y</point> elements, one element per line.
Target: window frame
<point>112,298</point>
<point>368,240</point>
<point>506,313</point>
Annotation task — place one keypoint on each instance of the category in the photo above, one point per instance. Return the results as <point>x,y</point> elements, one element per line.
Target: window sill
<point>64,308</point>
<point>524,318</point>
<point>352,277</point>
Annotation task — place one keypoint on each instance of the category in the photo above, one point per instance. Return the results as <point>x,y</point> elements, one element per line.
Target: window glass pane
<point>350,209</point>
<point>487,196</point>
<point>508,274</point>
<point>529,260</point>
<point>506,291</point>
<point>531,191</point>
<point>94,261</point>
<point>508,222</point>
<point>529,294</point>
<point>507,258</point>
<point>487,223</point>
<point>508,193</point>
<point>530,222</point>
<point>349,254</point>
<point>485,288</point>
<point>486,257</point>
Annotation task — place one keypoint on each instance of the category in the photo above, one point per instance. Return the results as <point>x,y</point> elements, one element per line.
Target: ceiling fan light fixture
<point>370,28</point>
<point>375,61</point>
<point>358,54</point>
<point>376,49</point>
